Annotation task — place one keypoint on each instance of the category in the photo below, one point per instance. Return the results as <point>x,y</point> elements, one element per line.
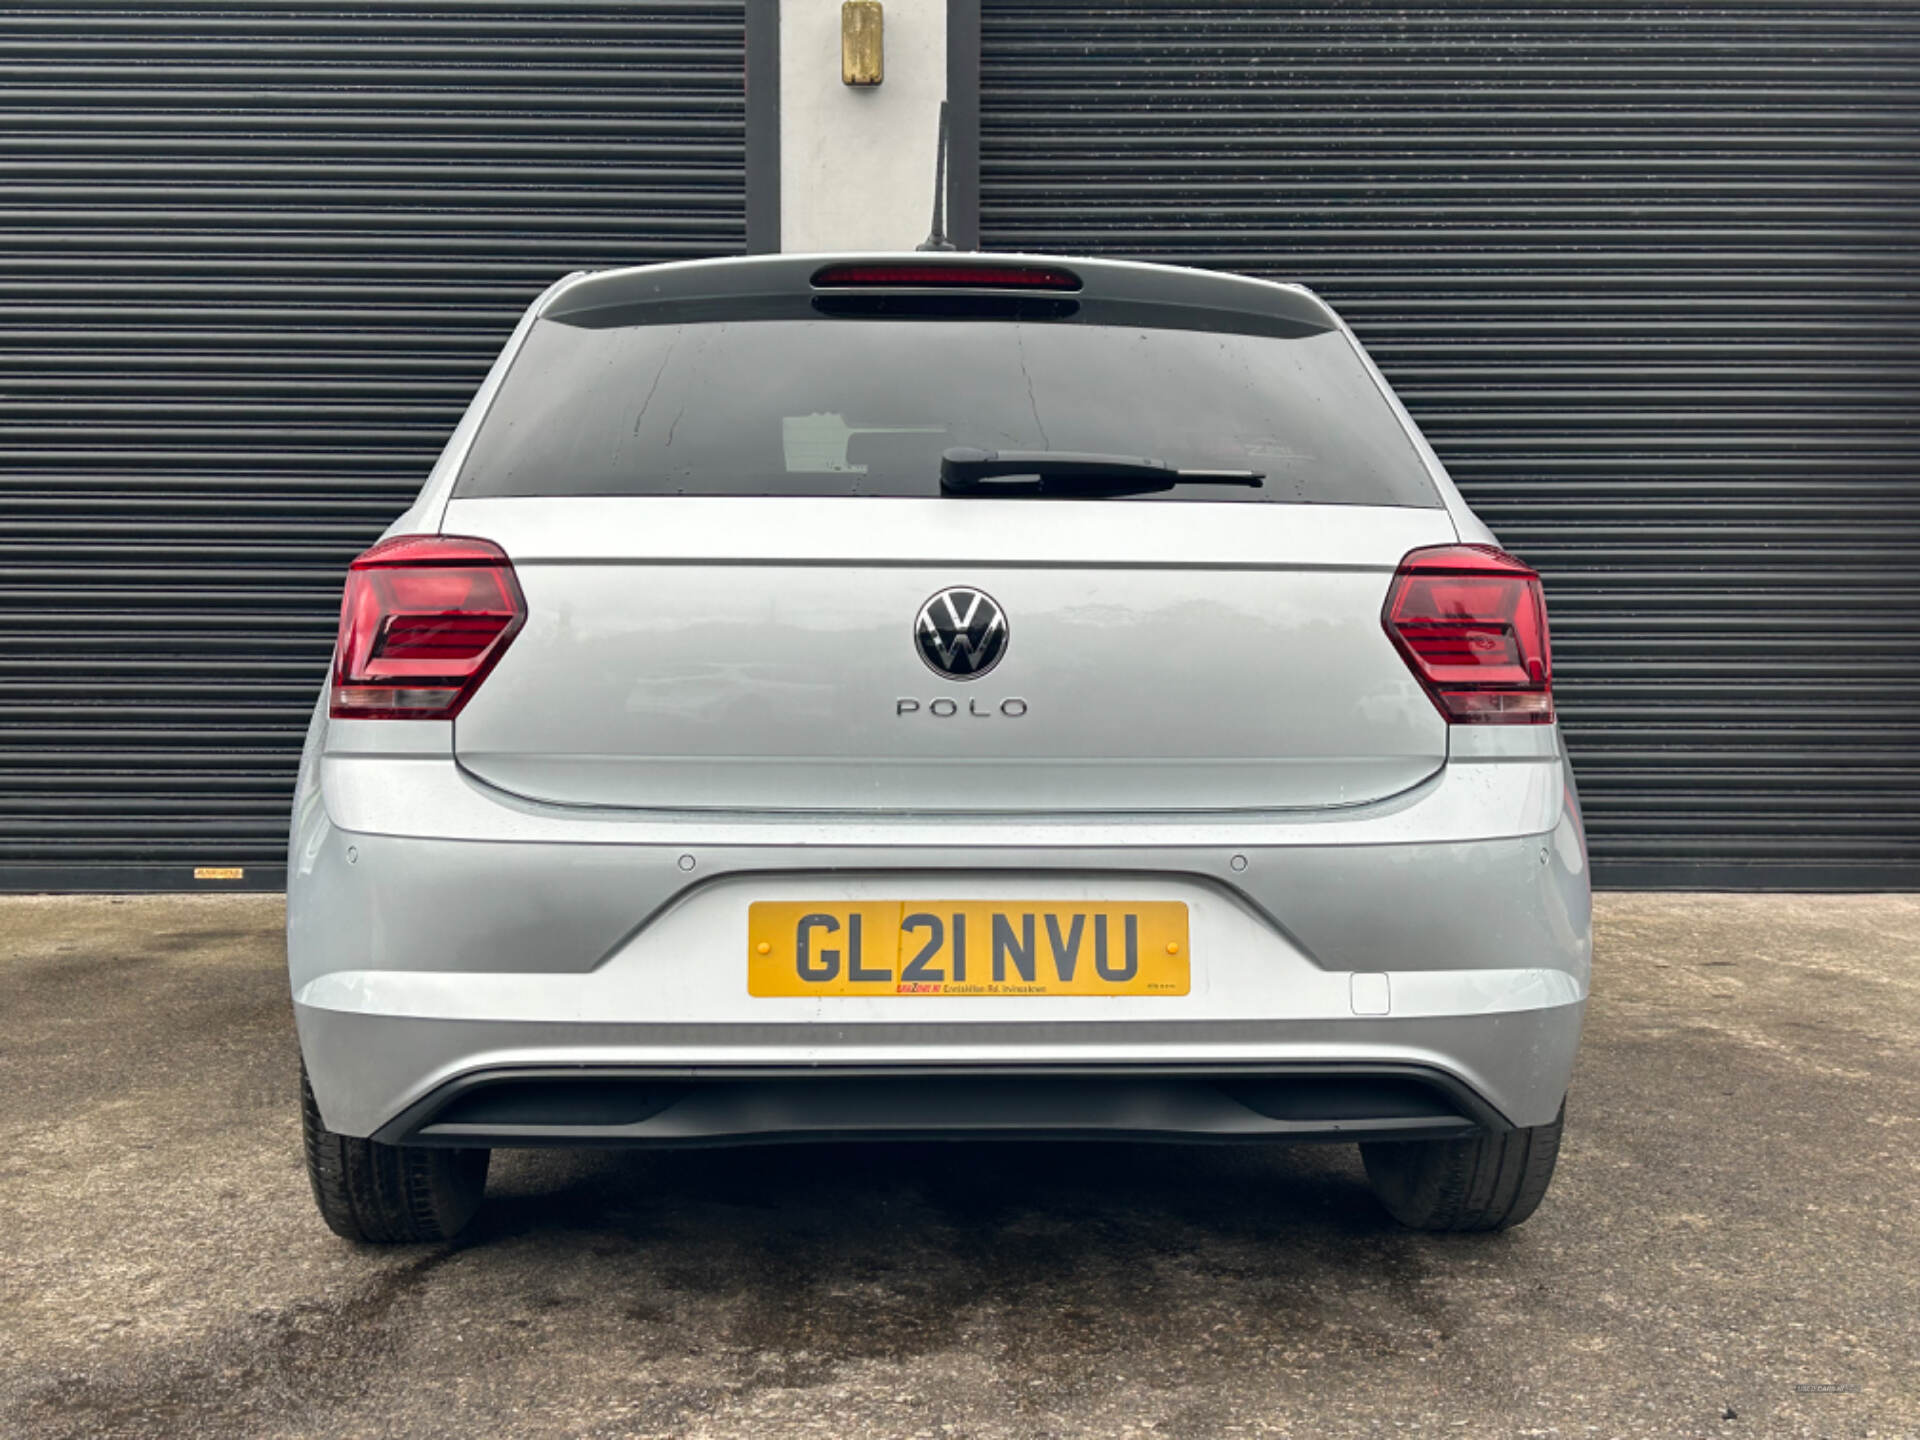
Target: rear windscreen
<point>836,406</point>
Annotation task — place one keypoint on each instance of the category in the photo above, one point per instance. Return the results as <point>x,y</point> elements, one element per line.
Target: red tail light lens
<point>423,620</point>
<point>934,273</point>
<point>1472,622</point>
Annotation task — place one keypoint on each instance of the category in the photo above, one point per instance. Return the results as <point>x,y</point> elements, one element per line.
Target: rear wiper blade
<point>966,471</point>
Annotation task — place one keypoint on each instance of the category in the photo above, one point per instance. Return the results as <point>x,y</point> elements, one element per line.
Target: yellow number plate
<point>967,947</point>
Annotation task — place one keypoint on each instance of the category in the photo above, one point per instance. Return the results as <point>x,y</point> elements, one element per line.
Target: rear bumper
<point>446,937</point>
<point>481,1083</point>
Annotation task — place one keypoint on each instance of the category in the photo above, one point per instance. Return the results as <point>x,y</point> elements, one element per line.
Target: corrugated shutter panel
<point>254,259</point>
<point>1649,276</point>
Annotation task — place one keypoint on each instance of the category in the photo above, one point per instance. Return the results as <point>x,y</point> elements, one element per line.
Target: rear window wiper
<point>966,471</point>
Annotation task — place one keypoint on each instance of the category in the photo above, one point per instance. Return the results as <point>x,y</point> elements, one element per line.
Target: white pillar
<point>856,163</point>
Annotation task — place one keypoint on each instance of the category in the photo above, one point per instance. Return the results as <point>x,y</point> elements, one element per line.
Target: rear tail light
<point>1472,622</point>
<point>423,620</point>
<point>965,276</point>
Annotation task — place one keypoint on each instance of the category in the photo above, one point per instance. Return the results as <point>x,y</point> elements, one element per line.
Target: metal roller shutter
<point>1649,276</point>
<point>254,258</point>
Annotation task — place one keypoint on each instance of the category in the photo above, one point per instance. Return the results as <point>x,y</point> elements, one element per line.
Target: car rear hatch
<point>726,514</point>
<point>762,655</point>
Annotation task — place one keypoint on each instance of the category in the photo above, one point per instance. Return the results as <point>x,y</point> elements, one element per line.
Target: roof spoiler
<point>784,277</point>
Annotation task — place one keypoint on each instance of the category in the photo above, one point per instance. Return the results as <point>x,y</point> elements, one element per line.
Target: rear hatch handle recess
<point>966,471</point>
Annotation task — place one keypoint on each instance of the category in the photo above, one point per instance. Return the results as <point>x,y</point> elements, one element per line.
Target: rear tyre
<point>1488,1182</point>
<point>389,1194</point>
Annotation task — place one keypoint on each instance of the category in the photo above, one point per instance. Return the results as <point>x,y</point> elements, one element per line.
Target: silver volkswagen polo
<point>935,695</point>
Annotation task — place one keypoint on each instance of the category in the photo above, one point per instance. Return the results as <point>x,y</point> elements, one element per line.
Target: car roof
<point>741,278</point>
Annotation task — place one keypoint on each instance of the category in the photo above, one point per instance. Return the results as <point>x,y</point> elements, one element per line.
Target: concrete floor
<point>1732,1247</point>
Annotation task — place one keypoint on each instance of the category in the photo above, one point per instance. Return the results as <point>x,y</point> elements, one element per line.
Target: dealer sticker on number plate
<point>967,947</point>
